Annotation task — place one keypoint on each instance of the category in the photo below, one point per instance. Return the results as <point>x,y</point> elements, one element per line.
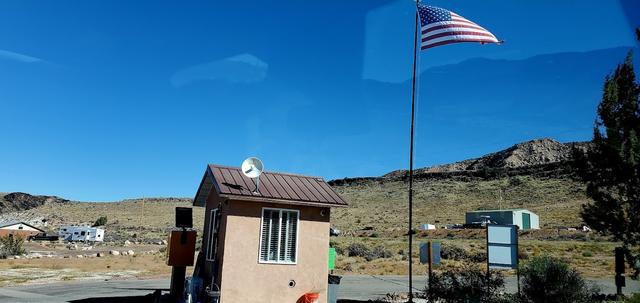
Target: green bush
<point>102,221</point>
<point>11,245</point>
<point>453,253</point>
<point>633,299</point>
<point>380,252</point>
<point>358,250</point>
<point>550,280</point>
<point>468,284</point>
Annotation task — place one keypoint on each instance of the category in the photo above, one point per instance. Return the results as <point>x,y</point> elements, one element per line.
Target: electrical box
<point>184,217</point>
<point>332,258</point>
<point>181,247</point>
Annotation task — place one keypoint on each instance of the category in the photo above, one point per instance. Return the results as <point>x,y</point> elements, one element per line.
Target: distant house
<point>270,245</point>
<point>523,218</point>
<point>18,228</point>
<point>427,226</point>
<point>81,233</point>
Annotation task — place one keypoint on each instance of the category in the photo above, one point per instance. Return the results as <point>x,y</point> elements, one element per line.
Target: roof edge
<point>23,223</point>
<point>266,171</point>
<point>280,201</point>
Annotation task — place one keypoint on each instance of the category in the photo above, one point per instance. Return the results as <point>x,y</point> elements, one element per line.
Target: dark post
<point>413,106</point>
<point>620,279</point>
<point>517,259</point>
<point>430,253</point>
<point>487,236</point>
<point>178,272</point>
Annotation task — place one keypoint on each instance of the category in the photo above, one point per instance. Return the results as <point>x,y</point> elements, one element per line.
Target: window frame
<point>213,214</point>
<point>280,210</point>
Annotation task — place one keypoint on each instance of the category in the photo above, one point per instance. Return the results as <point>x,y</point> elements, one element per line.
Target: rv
<point>81,233</point>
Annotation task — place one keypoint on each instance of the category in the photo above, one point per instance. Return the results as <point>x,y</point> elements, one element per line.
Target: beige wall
<point>245,280</point>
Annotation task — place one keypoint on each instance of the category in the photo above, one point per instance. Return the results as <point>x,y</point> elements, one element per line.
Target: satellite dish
<point>252,168</point>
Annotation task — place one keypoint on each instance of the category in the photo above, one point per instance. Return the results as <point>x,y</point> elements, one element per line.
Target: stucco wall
<point>246,280</point>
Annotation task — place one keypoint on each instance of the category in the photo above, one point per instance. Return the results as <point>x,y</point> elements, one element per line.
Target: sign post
<point>180,250</point>
<point>430,254</point>
<point>620,280</point>
<point>502,248</point>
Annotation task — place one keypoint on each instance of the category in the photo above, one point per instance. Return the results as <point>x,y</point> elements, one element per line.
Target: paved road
<point>351,287</point>
<point>75,290</point>
<point>372,287</point>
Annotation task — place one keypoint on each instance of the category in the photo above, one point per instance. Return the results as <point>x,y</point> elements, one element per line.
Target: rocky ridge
<point>18,201</point>
<point>544,158</point>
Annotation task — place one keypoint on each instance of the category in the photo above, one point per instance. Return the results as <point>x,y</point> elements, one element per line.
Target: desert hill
<point>536,175</point>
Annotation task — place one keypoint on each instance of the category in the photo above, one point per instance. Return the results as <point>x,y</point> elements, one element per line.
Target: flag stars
<point>430,14</point>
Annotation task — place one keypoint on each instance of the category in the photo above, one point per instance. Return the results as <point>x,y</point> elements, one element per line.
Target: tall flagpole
<point>413,107</point>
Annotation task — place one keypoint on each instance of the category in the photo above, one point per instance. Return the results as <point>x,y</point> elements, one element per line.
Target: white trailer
<point>81,233</point>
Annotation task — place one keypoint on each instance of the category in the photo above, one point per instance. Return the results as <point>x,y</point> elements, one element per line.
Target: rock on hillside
<point>530,153</point>
<point>22,201</point>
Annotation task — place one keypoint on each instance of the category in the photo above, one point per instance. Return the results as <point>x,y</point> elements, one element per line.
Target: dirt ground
<point>47,262</point>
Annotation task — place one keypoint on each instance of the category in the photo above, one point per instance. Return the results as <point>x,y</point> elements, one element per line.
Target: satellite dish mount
<point>252,167</point>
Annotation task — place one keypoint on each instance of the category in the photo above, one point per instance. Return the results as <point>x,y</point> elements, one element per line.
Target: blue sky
<point>106,100</point>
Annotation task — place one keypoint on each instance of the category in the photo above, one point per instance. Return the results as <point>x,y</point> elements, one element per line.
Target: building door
<point>212,245</point>
<point>526,221</point>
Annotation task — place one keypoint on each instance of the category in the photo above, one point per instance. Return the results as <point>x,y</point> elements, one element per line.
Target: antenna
<point>252,167</point>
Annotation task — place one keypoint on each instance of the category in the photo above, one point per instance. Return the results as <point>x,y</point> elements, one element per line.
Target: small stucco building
<point>266,246</point>
<point>523,218</point>
<point>18,228</point>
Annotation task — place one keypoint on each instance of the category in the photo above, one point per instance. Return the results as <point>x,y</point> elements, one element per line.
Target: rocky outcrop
<point>541,157</point>
<point>531,153</point>
<point>22,201</point>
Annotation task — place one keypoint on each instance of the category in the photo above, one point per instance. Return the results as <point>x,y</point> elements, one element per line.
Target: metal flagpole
<point>413,106</point>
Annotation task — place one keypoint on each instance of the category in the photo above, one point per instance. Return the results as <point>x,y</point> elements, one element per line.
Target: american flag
<point>440,26</point>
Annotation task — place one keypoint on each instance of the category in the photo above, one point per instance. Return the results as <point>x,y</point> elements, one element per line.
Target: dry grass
<point>383,206</point>
<point>599,264</point>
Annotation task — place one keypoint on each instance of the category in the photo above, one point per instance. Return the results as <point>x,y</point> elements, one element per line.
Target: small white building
<point>525,219</point>
<point>81,233</point>
<point>427,227</point>
<point>18,228</point>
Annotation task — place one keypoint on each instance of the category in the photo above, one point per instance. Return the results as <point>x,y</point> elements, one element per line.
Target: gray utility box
<point>334,285</point>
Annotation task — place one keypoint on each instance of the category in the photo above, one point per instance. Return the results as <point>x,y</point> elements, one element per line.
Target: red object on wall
<point>311,297</point>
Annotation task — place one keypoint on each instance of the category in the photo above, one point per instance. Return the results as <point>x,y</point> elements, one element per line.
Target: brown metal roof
<point>274,187</point>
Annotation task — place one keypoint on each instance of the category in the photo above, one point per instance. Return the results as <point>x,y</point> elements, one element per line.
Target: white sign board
<point>502,246</point>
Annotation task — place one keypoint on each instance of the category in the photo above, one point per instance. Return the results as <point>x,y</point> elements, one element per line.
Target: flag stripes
<point>439,27</point>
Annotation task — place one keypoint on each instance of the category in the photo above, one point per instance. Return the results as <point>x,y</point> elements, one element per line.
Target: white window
<point>213,231</point>
<point>279,236</point>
